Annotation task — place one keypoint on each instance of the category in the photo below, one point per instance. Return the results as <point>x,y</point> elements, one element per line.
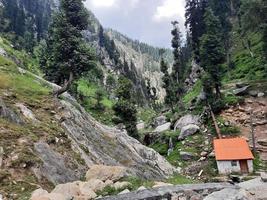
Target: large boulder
<point>52,196</point>
<point>186,120</point>
<point>162,128</point>
<point>188,130</point>
<point>37,193</point>
<point>93,184</point>
<point>159,121</point>
<point>69,190</point>
<point>103,173</point>
<point>230,194</point>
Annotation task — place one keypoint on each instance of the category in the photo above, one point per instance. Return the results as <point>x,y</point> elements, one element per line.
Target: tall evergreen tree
<point>67,55</point>
<point>212,52</point>
<point>125,107</point>
<point>194,15</point>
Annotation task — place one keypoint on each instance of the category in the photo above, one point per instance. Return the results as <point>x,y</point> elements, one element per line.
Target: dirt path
<point>240,116</point>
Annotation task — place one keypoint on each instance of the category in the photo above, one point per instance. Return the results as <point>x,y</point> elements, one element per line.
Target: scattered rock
<point>94,185</point>
<point>186,155</point>
<point>3,52</point>
<point>241,91</point>
<point>252,93</point>
<point>140,126</point>
<point>69,189</point>
<point>121,185</point>
<point>240,85</point>
<point>186,120</point>
<point>162,128</point>
<point>159,121</point>
<point>141,188</point>
<point>188,130</point>
<point>264,176</point>
<point>261,94</point>
<point>52,196</point>
<point>203,153</point>
<point>103,173</point>
<point>9,114</point>
<point>262,142</point>
<point>39,192</point>
<point>125,191</point>
<point>161,184</point>
<point>211,155</point>
<point>26,112</point>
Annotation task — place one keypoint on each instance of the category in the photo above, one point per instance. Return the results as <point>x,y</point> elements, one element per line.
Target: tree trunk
<point>65,87</point>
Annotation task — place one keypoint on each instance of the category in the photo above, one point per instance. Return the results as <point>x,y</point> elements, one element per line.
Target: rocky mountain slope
<point>45,141</point>
<point>117,53</point>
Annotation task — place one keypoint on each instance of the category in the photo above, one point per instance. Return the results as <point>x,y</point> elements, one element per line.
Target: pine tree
<point>125,108</point>
<point>67,55</point>
<point>212,52</point>
<point>194,15</point>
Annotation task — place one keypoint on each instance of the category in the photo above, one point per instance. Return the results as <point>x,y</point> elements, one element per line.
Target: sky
<point>148,21</point>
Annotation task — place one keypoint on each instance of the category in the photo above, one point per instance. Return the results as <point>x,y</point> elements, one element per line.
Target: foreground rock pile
<point>97,178</point>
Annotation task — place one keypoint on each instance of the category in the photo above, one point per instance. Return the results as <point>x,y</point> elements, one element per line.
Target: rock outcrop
<point>109,146</point>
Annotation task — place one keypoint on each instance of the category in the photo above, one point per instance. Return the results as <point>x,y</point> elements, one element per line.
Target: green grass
<point>192,94</point>
<point>179,179</point>
<point>88,90</point>
<point>146,115</point>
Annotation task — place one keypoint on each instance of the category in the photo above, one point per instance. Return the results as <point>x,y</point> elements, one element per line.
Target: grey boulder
<point>188,130</point>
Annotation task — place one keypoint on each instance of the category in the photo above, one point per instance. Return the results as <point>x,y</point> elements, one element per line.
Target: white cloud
<point>103,3</point>
<point>170,9</point>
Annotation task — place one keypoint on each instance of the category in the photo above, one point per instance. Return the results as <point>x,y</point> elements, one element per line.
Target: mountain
<point>29,21</point>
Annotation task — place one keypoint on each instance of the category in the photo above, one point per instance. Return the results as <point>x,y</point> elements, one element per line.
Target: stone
<point>93,184</point>
<point>87,192</point>
<point>68,189</point>
<point>241,91</point>
<point>161,184</point>
<point>262,142</point>
<point>39,192</point>
<point>52,196</point>
<point>186,120</point>
<point>230,194</point>
<point>162,128</point>
<point>188,130</point>
<point>141,188</point>
<point>3,52</point>
<point>125,191</point>
<point>186,155</point>
<point>103,173</point>
<point>121,185</point>
<point>211,155</point>
<point>159,121</point>
<point>140,126</point>
<point>9,114</point>
<point>261,94</point>
<point>252,93</point>
<point>203,153</point>
<point>26,112</point>
<point>264,176</point>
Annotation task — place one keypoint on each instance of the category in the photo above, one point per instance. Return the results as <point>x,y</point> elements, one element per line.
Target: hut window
<point>233,163</point>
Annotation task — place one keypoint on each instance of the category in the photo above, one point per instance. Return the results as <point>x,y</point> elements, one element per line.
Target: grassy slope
<point>16,177</point>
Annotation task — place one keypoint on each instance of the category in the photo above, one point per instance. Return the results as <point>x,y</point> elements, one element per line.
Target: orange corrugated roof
<point>232,149</point>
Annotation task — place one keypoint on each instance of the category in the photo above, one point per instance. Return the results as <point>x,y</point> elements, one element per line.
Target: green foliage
<point>67,53</point>
<point>212,55</point>
<point>125,108</point>
<point>179,179</point>
<point>192,94</point>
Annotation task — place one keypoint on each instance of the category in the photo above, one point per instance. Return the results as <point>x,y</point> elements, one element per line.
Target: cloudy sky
<point>146,20</point>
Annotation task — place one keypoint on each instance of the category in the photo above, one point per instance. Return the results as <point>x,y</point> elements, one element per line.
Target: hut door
<point>243,166</point>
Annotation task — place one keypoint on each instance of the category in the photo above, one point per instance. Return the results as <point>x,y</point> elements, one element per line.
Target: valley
<point>88,113</point>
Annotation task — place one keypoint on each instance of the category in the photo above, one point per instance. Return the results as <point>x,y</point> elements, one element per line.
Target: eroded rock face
<point>109,146</point>
<point>54,167</point>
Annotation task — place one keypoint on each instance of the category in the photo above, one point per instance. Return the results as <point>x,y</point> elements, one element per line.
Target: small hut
<point>233,155</point>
